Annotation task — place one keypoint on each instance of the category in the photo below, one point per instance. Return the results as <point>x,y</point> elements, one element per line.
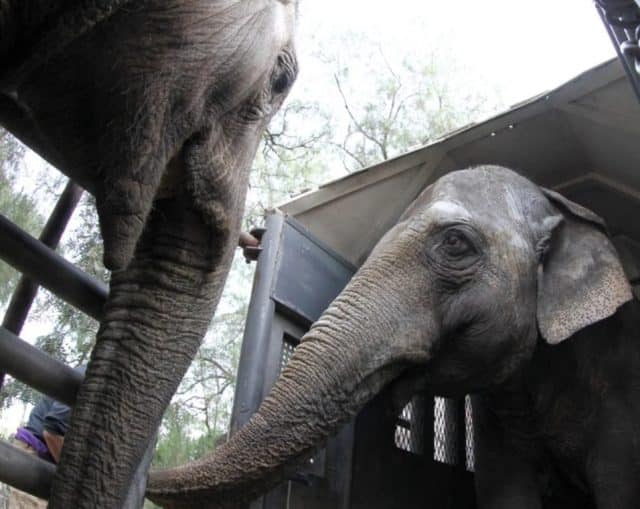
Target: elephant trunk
<point>156,315</point>
<point>347,357</point>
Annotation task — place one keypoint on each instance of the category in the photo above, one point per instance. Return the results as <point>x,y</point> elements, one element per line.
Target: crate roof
<point>582,139</point>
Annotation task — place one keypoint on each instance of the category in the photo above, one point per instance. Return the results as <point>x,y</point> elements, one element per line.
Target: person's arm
<point>54,444</point>
<point>250,244</point>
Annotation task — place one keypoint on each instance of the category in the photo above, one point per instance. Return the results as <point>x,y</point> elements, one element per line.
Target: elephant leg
<point>156,315</point>
<point>503,479</point>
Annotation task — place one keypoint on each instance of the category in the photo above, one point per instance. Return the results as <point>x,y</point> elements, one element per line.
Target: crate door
<point>296,279</point>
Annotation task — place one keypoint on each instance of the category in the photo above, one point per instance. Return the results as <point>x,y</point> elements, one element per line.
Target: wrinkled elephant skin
<point>489,285</point>
<point>157,108</point>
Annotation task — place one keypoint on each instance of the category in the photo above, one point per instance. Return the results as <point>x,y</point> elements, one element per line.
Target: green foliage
<point>15,205</point>
<point>181,441</point>
<point>73,333</point>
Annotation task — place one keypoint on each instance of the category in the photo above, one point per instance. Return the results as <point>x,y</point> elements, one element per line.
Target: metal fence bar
<point>24,471</point>
<point>31,257</point>
<point>57,380</point>
<point>257,332</point>
<point>26,290</point>
<point>37,369</point>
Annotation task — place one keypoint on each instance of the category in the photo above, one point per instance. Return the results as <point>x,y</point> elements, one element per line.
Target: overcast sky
<point>523,47</point>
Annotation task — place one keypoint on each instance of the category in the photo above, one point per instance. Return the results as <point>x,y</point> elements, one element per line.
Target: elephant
<point>488,285</point>
<point>156,107</point>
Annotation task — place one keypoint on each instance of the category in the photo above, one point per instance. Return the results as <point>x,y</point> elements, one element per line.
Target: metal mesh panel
<point>409,432</point>
<point>289,344</point>
<point>468,424</point>
<point>445,431</point>
<point>446,434</point>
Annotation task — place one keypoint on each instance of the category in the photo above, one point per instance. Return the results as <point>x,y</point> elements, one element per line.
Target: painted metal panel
<point>308,275</point>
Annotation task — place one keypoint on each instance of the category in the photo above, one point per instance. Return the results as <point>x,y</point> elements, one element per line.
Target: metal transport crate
<point>581,139</point>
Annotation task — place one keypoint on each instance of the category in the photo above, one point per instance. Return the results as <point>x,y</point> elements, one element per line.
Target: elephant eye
<point>282,83</point>
<point>284,73</point>
<point>456,244</point>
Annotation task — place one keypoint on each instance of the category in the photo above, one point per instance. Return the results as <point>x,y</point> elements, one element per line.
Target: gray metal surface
<point>255,343</point>
<point>308,274</point>
<point>138,486</point>
<point>26,289</point>
<point>621,19</point>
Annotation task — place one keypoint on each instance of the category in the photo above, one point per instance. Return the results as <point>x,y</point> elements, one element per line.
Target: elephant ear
<point>580,278</point>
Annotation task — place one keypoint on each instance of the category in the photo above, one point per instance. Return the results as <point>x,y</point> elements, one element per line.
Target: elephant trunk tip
<point>120,234</point>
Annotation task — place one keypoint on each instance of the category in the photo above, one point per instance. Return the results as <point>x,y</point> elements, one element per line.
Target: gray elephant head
<point>454,298</point>
<point>156,107</point>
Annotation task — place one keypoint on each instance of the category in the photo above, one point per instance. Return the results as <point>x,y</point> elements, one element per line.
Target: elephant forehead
<point>490,200</point>
<point>494,195</point>
<point>447,210</point>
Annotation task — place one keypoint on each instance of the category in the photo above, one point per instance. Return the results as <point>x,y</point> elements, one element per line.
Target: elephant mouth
<point>124,211</point>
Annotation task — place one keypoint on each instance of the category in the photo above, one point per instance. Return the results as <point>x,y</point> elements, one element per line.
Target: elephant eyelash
<point>542,247</point>
<point>456,269</point>
<point>467,247</point>
<point>282,82</point>
<point>285,73</point>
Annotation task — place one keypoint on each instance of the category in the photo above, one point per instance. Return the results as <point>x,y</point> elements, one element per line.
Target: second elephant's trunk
<point>347,357</point>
